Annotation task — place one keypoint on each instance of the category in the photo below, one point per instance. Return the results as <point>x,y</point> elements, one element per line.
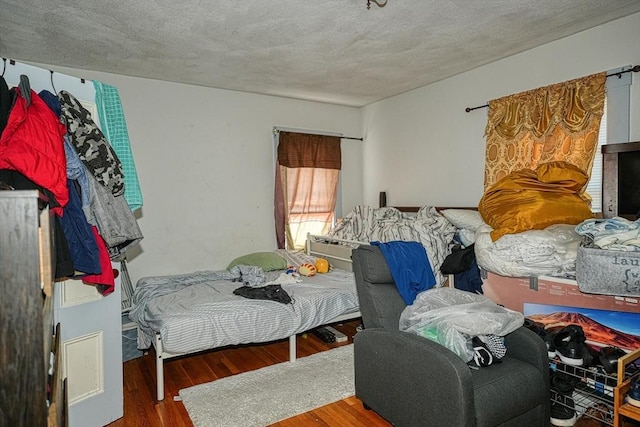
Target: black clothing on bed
<point>268,292</point>
<point>462,264</point>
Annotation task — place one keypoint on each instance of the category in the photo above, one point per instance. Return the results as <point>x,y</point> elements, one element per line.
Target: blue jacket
<point>410,267</point>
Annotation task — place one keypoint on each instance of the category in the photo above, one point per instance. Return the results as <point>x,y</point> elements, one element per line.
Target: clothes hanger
<point>52,85</point>
<point>25,88</point>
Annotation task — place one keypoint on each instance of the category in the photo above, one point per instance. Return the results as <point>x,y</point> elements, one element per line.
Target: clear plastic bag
<point>451,317</point>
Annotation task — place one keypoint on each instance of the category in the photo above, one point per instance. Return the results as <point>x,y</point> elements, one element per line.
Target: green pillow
<point>267,260</point>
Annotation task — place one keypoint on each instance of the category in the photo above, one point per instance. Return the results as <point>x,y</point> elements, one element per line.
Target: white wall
<point>204,159</point>
<point>423,148</point>
<point>205,162</point>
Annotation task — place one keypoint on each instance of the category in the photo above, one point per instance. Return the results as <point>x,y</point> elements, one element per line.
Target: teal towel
<point>114,128</point>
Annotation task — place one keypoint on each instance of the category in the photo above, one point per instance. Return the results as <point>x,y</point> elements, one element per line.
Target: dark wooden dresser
<point>31,380</point>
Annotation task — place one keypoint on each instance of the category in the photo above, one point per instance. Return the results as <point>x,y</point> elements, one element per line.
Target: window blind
<point>594,187</point>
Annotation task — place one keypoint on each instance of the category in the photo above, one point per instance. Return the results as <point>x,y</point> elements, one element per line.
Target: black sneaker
<point>551,348</point>
<point>571,353</point>
<point>570,345</point>
<point>633,397</point>
<point>563,412</point>
<point>563,383</point>
<point>608,358</point>
<point>538,328</point>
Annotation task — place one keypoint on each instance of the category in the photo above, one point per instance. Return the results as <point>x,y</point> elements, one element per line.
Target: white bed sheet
<point>199,311</point>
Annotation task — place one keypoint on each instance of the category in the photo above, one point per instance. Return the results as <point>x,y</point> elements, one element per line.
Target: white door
<point>92,352</point>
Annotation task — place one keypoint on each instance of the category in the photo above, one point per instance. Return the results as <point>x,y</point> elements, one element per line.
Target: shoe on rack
<point>598,415</point>
<point>571,353</point>
<point>633,397</point>
<point>608,358</point>
<point>563,383</point>
<point>538,328</point>
<point>590,356</point>
<point>551,348</point>
<point>570,345</point>
<point>563,411</point>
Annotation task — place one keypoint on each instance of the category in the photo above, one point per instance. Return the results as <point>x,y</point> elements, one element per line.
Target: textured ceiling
<point>333,51</point>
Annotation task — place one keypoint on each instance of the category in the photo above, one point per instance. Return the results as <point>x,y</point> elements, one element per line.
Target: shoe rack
<point>593,395</point>
<point>622,409</point>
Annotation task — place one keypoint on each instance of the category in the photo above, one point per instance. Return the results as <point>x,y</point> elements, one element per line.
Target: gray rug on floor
<point>265,396</point>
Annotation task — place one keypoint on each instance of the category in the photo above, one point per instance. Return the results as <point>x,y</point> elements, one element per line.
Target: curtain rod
<point>277,129</point>
<point>634,69</point>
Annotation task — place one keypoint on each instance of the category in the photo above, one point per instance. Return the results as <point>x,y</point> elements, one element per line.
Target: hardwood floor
<point>141,408</point>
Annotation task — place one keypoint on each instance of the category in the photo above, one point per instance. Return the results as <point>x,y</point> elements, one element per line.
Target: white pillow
<point>464,218</point>
<point>467,237</point>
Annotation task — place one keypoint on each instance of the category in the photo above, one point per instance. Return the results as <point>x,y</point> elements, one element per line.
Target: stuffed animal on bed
<point>307,269</point>
<point>322,265</point>
<point>291,270</point>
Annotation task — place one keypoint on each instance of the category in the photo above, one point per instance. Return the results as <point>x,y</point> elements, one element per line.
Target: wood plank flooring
<point>142,410</point>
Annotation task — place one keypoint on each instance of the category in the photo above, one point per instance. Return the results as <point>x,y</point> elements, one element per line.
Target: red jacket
<point>33,144</point>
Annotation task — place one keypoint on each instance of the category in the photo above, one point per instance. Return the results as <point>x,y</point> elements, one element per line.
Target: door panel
<point>92,351</point>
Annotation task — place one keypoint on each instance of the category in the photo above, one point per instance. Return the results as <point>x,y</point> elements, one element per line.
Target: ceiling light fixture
<point>378,2</point>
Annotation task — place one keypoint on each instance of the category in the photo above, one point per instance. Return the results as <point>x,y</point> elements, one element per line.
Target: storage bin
<point>608,272</point>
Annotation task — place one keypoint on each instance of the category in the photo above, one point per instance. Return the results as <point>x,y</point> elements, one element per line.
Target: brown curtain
<point>306,185</point>
<point>553,123</point>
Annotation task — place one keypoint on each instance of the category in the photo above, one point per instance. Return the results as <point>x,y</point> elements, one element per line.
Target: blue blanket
<point>410,267</point>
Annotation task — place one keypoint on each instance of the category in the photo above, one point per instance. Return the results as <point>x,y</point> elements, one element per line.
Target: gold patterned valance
<point>553,123</point>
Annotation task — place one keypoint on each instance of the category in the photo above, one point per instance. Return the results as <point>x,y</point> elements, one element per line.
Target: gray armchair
<point>412,381</point>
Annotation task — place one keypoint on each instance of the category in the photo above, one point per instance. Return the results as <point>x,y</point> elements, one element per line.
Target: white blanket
<point>367,224</point>
<point>548,252</point>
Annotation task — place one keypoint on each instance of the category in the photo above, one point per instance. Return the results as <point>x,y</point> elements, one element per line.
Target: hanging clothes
<point>114,128</point>
<point>116,223</point>
<point>75,168</point>
<point>32,144</point>
<point>91,145</point>
<point>82,243</point>
<point>108,209</point>
<point>105,281</point>
<point>7,99</point>
<point>73,224</point>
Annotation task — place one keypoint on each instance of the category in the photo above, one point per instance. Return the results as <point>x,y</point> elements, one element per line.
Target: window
<point>306,186</point>
<point>594,187</point>
<point>614,126</point>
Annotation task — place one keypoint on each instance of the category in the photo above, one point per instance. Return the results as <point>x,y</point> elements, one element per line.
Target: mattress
<point>198,311</point>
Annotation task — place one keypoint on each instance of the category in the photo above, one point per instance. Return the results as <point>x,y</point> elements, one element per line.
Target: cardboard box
<point>608,272</point>
<point>513,292</point>
<point>606,320</point>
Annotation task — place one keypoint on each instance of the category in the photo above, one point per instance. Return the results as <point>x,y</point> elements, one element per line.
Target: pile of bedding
<point>368,224</point>
<point>548,252</point>
<point>535,199</point>
<point>525,224</point>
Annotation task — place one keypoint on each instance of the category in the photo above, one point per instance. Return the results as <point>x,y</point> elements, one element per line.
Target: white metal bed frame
<point>161,355</point>
<point>336,251</point>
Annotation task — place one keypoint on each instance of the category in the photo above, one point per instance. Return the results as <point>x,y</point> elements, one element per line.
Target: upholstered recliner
<point>412,381</point>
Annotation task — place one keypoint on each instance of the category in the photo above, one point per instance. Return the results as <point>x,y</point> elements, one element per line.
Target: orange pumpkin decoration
<point>322,265</point>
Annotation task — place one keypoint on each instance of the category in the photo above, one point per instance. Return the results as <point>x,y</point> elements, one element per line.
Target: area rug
<point>274,393</point>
